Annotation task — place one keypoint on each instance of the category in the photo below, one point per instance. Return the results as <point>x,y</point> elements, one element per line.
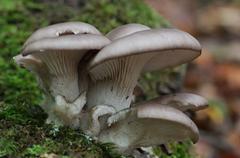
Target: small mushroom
<point>125,30</point>
<point>35,66</point>
<point>116,68</point>
<point>60,48</point>
<point>28,62</point>
<point>61,29</point>
<point>147,125</point>
<point>181,101</point>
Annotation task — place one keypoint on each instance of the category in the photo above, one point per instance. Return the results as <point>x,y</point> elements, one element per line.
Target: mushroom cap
<point>67,42</point>
<point>182,101</point>
<point>59,29</point>
<point>170,47</point>
<point>148,125</point>
<point>34,65</point>
<point>125,30</point>
<point>29,62</point>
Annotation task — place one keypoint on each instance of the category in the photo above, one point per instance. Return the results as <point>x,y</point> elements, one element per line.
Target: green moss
<point>7,147</point>
<point>22,128</point>
<point>36,150</point>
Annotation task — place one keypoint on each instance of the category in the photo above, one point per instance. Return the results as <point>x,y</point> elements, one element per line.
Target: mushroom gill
<point>147,125</point>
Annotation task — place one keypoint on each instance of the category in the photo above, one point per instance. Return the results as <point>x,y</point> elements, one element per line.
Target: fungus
<point>61,56</point>
<point>116,68</point>
<point>181,101</point>
<point>35,66</point>
<point>147,125</point>
<point>61,29</point>
<point>60,52</point>
<point>125,30</point>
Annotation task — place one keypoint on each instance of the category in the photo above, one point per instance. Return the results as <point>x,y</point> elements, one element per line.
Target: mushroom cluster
<point>88,80</point>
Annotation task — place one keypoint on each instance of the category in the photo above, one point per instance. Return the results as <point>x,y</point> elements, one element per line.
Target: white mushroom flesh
<point>114,81</point>
<point>62,67</point>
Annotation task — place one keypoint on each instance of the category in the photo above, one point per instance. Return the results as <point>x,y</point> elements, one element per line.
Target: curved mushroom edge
<point>125,30</point>
<point>62,29</point>
<point>67,43</point>
<point>180,101</point>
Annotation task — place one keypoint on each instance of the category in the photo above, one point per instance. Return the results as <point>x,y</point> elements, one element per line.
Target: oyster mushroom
<point>125,30</point>
<point>61,56</point>
<point>116,68</point>
<point>60,29</point>
<point>181,101</point>
<point>40,71</point>
<point>60,48</point>
<point>34,65</point>
<point>147,125</point>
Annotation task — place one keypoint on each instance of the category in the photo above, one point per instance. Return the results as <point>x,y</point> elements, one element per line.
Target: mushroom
<point>61,56</point>
<point>35,66</point>
<point>116,68</point>
<point>39,69</point>
<point>125,30</point>
<point>147,125</point>
<point>181,101</point>
<point>61,29</point>
<point>94,126</point>
<point>60,48</point>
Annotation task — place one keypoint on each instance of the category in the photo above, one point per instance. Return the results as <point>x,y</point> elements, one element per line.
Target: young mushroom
<point>181,101</point>
<point>116,68</point>
<point>40,71</point>
<point>60,48</point>
<point>125,30</point>
<point>35,66</point>
<point>147,125</point>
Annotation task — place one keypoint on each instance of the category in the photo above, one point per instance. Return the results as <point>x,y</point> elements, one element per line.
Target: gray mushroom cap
<point>67,42</point>
<point>125,30</point>
<point>59,29</point>
<point>170,47</point>
<point>149,124</point>
<point>181,101</point>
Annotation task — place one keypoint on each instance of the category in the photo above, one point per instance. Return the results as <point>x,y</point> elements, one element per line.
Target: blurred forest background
<point>215,75</point>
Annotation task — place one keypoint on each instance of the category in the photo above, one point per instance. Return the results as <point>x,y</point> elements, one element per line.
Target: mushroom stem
<point>64,113</point>
<point>95,124</point>
<point>117,89</point>
<point>61,84</point>
<point>63,72</point>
